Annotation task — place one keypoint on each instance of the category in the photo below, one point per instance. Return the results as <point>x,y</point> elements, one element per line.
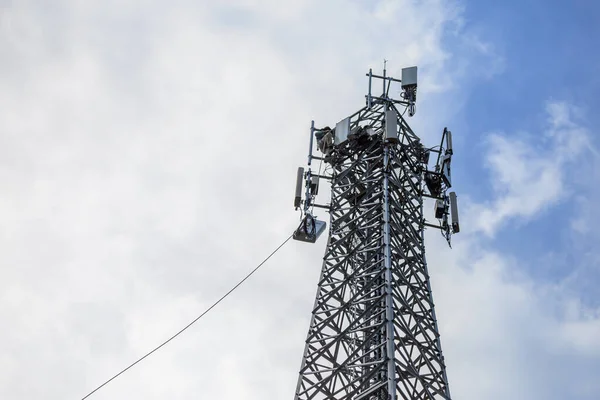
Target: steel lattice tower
<point>373,332</point>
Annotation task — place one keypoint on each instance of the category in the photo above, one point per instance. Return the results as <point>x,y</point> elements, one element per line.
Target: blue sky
<point>548,54</point>
<point>148,153</point>
<point>549,48</point>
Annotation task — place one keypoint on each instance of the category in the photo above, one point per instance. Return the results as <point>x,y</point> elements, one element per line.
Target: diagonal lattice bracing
<point>373,332</point>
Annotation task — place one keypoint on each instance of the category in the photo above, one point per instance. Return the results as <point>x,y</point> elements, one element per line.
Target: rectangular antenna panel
<point>391,125</point>
<point>342,129</point>
<point>440,209</point>
<point>409,77</point>
<point>449,142</point>
<point>299,178</point>
<point>314,185</point>
<point>454,212</point>
<point>446,170</point>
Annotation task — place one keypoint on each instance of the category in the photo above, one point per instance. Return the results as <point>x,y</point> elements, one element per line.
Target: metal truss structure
<point>373,332</point>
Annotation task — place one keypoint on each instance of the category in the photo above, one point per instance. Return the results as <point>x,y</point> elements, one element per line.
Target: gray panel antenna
<point>299,178</point>
<point>342,130</point>
<point>454,213</point>
<point>409,77</point>
<point>446,173</point>
<point>391,125</point>
<point>314,185</point>
<point>448,142</point>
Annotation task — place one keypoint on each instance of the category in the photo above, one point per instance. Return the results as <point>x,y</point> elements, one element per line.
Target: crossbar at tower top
<point>409,89</point>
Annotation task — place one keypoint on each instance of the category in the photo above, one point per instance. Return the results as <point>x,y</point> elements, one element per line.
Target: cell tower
<point>373,332</point>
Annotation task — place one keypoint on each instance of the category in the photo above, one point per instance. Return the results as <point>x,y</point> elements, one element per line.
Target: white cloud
<point>530,173</point>
<point>507,336</point>
<point>148,163</point>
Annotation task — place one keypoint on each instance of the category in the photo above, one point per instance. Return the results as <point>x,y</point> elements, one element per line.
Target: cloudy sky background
<point>147,162</point>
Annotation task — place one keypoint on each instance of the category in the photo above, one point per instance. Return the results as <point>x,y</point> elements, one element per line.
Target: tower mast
<point>373,332</point>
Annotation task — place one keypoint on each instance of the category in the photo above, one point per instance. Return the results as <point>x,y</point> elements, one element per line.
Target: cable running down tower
<point>373,334</point>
